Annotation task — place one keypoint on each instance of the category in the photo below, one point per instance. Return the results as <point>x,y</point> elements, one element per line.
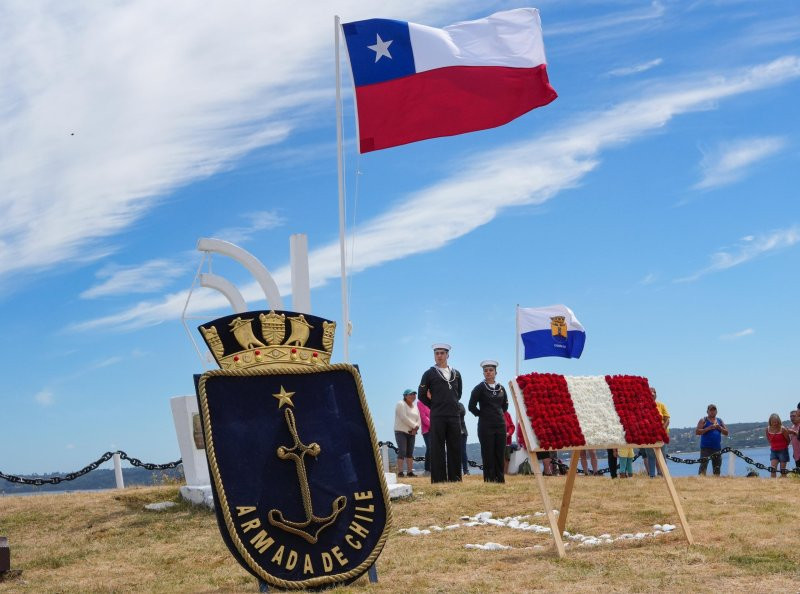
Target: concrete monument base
<point>198,494</point>
<point>397,490</point>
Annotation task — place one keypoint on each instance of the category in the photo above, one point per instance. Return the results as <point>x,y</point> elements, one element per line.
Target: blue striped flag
<point>551,331</point>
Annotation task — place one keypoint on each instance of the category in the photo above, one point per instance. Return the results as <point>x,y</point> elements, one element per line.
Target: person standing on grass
<point>778,437</point>
<point>489,402</point>
<point>711,429</point>
<point>440,389</point>
<point>425,427</point>
<point>464,467</point>
<point>510,428</point>
<point>406,426</point>
<point>649,454</point>
<point>625,458</point>
<point>612,462</point>
<point>592,459</point>
<point>794,417</point>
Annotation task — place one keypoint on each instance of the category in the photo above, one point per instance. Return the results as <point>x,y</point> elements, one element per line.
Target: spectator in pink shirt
<point>510,428</point>
<point>425,417</point>
<point>794,417</point>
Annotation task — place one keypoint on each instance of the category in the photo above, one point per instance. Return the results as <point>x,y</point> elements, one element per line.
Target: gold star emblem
<point>284,397</point>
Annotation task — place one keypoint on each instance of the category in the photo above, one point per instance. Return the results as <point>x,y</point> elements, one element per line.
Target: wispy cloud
<point>106,362</point>
<point>648,279</point>
<point>154,275</point>
<point>96,94</point>
<point>748,248</point>
<point>255,222</point>
<point>770,33</point>
<point>149,277</point>
<point>740,334</point>
<point>528,173</point>
<point>614,21</point>
<point>733,160</point>
<point>636,69</point>
<point>44,398</point>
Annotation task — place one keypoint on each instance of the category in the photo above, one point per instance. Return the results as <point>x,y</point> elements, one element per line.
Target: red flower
<point>549,407</point>
<point>636,409</point>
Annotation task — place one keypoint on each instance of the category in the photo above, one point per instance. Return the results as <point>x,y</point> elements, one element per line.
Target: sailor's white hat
<point>441,345</point>
<point>489,363</point>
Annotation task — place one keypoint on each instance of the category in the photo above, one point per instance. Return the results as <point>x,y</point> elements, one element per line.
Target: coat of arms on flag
<point>558,326</point>
<point>298,483</point>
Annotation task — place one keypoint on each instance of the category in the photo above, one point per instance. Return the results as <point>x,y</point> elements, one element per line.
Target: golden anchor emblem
<point>309,528</point>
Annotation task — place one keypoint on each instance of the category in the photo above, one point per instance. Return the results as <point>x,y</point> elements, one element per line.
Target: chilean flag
<point>415,82</point>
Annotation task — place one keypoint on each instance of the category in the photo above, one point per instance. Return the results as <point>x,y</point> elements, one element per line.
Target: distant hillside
<point>97,479</point>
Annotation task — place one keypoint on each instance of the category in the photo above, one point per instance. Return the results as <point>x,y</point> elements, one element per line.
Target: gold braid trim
<point>223,500</point>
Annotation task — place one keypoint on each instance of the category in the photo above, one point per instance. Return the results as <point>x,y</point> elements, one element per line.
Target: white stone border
<point>520,523</point>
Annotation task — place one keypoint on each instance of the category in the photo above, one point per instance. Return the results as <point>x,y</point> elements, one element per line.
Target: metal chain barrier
<point>563,468</point>
<point>38,482</point>
<point>149,465</point>
<point>737,453</point>
<point>391,446</point>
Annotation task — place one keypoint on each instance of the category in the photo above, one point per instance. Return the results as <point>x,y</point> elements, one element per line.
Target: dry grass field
<point>746,532</point>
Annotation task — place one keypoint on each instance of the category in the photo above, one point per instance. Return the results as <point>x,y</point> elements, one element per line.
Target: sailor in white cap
<point>440,389</point>
<point>489,402</point>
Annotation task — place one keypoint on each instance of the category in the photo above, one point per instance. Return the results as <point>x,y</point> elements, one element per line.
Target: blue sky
<point>657,197</point>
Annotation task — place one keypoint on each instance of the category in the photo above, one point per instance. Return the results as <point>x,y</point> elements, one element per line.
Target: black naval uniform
<point>489,404</point>
<point>445,422</point>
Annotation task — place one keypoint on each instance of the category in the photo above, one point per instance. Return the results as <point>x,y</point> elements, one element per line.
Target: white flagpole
<point>340,163</point>
<point>516,339</point>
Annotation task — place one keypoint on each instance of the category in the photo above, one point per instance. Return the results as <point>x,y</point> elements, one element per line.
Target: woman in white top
<point>406,425</point>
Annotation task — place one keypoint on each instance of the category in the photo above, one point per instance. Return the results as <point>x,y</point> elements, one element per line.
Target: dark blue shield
<point>300,494</point>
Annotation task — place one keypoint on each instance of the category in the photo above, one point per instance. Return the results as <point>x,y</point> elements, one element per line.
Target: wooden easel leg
<point>571,474</point>
<point>662,465</point>
<point>537,471</point>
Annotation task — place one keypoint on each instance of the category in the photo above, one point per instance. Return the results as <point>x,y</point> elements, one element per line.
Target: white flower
<point>594,407</point>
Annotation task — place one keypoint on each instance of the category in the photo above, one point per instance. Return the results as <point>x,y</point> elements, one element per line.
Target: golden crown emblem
<point>259,339</point>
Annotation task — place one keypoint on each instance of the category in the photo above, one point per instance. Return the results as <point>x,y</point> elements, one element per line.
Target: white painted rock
<point>160,506</point>
<point>413,531</point>
<point>399,490</point>
<point>489,546</point>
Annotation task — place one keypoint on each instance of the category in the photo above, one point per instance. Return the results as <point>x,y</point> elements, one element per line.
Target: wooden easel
<point>557,525</point>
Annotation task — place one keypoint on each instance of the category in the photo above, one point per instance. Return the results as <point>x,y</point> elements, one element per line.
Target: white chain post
<point>118,471</point>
